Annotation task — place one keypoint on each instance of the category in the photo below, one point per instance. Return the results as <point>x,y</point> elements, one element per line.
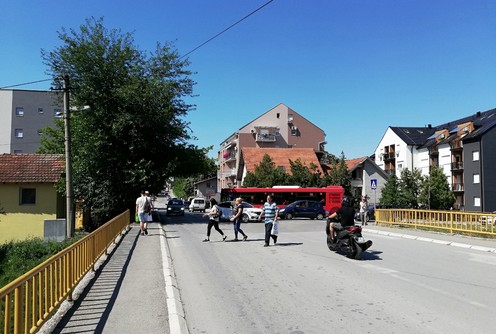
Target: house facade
<point>366,178</point>
<point>206,188</point>
<point>23,115</point>
<point>463,149</point>
<point>27,194</point>
<point>280,127</point>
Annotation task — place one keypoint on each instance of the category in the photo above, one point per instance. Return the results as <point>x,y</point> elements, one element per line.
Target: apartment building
<point>279,127</point>
<point>464,149</point>
<point>23,115</point>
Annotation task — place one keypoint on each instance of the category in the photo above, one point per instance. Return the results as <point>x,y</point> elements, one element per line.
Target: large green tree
<point>303,175</point>
<point>390,192</point>
<point>134,135</point>
<point>410,187</point>
<point>436,193</point>
<point>338,174</point>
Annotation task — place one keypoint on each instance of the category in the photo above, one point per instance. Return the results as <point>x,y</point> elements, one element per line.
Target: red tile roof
<point>31,168</point>
<point>280,157</point>
<point>351,164</point>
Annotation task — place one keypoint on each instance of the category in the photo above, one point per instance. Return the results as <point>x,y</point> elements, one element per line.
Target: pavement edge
<point>177,321</point>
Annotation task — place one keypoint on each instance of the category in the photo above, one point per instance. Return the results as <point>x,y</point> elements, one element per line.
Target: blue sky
<point>351,67</point>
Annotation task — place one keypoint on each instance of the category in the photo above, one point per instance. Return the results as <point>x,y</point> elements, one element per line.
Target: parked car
<point>197,204</point>
<point>175,207</point>
<point>303,209</point>
<point>490,219</point>
<point>370,213</point>
<point>250,213</point>
<point>227,210</point>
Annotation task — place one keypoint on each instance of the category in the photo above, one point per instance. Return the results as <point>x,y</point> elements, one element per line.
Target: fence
<point>450,221</point>
<point>27,302</point>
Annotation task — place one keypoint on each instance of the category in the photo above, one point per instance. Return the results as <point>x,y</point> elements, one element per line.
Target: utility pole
<point>68,164</point>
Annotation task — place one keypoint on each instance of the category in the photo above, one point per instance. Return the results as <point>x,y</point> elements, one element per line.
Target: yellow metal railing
<point>27,302</point>
<point>475,223</point>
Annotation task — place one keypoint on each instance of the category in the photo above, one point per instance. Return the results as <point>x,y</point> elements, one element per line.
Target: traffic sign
<point>373,184</point>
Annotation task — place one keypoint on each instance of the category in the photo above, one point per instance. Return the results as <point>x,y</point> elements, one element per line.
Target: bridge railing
<point>474,223</point>
<point>27,302</point>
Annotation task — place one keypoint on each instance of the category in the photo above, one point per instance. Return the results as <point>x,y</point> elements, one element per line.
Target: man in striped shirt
<point>270,213</point>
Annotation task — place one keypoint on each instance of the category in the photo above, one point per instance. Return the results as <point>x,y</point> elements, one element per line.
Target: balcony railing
<point>390,171</point>
<point>389,156</point>
<point>457,187</point>
<point>266,137</point>
<point>457,165</point>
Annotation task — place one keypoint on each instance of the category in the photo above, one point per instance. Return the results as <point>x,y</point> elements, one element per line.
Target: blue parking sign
<point>373,184</point>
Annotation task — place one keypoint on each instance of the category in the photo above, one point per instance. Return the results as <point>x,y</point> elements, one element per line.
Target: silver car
<point>250,213</point>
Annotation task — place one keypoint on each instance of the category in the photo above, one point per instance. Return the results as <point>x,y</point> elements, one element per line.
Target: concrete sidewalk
<point>125,295</point>
<point>132,291</point>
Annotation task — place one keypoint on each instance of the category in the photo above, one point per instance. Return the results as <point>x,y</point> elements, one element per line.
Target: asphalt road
<point>403,284</point>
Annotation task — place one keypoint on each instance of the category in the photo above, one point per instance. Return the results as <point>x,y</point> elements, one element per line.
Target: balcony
<point>388,156</point>
<point>265,137</point>
<point>229,156</point>
<point>433,150</point>
<point>457,145</point>
<point>457,166</point>
<point>457,187</point>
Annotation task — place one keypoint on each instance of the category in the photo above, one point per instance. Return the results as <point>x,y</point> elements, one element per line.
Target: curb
<point>177,321</point>
<point>436,241</point>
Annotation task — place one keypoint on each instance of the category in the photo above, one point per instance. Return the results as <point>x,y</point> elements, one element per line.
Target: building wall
<point>39,109</point>
<point>5,120</point>
<point>24,221</point>
<point>470,168</point>
<point>488,174</point>
<point>389,138</point>
<point>370,173</point>
<point>445,159</point>
<point>307,135</point>
<point>423,161</point>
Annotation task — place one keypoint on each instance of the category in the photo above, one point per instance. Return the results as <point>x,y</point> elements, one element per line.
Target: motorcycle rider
<point>347,216</point>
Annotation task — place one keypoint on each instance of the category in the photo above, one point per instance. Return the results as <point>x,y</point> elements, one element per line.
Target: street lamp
<point>69,191</point>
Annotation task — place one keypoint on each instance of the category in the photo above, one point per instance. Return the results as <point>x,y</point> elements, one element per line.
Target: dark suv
<point>303,208</point>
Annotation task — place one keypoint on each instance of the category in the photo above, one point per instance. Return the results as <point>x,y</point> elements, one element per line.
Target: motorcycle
<point>348,240</point>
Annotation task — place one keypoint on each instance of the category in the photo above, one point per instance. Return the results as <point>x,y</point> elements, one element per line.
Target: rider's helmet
<point>347,201</point>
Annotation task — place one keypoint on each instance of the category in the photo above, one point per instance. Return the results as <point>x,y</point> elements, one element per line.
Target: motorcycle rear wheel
<point>356,250</point>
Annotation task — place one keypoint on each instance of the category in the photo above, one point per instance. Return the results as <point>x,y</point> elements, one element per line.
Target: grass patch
<point>19,257</point>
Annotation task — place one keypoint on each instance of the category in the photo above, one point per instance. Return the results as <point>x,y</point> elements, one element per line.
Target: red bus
<point>331,196</point>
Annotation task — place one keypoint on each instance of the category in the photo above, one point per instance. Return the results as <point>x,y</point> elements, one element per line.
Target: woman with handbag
<point>237,219</point>
<point>213,220</point>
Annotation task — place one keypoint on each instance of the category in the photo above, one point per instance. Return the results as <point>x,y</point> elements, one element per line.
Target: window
<point>477,201</point>
<point>40,111</point>
<point>17,151</point>
<point>476,178</point>
<point>20,111</point>
<point>28,196</point>
<point>57,113</point>
<point>19,133</point>
<point>475,156</point>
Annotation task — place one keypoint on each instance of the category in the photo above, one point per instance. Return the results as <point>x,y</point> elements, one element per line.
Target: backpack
<point>148,206</point>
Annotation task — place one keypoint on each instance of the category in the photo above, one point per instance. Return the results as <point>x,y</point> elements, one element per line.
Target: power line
<point>196,48</point>
<point>223,31</point>
<point>26,83</point>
